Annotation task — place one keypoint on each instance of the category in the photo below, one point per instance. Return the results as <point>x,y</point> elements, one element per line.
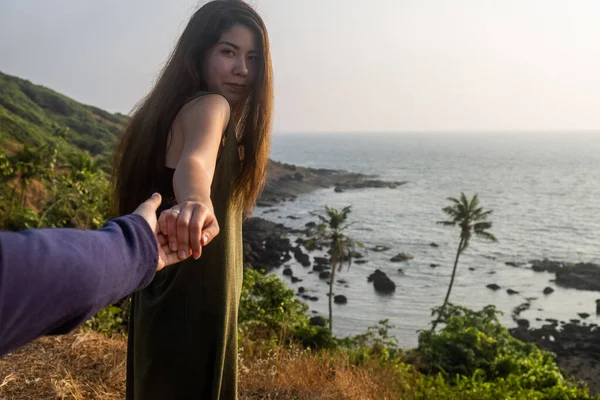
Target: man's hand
<point>147,210</point>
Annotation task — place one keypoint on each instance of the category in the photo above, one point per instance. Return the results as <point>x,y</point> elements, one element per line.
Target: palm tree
<point>472,219</point>
<point>332,229</point>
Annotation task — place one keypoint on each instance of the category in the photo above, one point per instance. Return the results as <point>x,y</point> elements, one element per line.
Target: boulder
<point>321,260</point>
<point>432,244</point>
<point>288,272</point>
<point>318,268</point>
<point>361,261</point>
<point>340,299</point>
<point>548,290</point>
<point>583,315</point>
<point>301,257</point>
<point>381,282</point>
<point>296,280</point>
<point>434,265</point>
<point>546,265</point>
<point>400,271</point>
<point>511,292</point>
<point>401,257</point>
<point>493,286</point>
<point>318,321</point>
<point>301,289</point>
<point>582,276</point>
<point>523,323</point>
<point>325,275</point>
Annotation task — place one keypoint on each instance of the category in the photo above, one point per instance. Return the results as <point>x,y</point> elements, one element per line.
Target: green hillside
<point>34,115</point>
<point>54,157</point>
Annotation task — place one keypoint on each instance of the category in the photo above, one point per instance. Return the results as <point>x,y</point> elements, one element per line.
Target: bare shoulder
<point>207,110</point>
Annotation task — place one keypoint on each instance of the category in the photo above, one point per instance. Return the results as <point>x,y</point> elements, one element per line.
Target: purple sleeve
<point>52,280</point>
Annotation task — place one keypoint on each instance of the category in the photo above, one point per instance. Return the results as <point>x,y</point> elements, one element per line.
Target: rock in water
<point>302,258</point>
<point>340,299</point>
<point>381,282</point>
<point>318,321</point>
<point>325,275</point>
<point>288,272</point>
<point>546,265</point>
<point>548,290</point>
<point>582,276</point>
<point>493,286</point>
<point>318,268</point>
<point>511,292</point>
<point>400,257</point>
<point>523,323</point>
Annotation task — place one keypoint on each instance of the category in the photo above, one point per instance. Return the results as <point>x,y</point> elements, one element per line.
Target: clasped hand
<point>182,230</point>
<point>187,227</point>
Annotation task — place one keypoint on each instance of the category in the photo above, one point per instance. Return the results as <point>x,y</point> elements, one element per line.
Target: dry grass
<point>92,367</point>
<point>295,374</point>
<point>78,366</point>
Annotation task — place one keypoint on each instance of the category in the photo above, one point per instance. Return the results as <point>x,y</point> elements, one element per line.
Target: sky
<point>340,65</point>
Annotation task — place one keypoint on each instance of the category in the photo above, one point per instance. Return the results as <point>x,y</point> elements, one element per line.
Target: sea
<point>543,189</point>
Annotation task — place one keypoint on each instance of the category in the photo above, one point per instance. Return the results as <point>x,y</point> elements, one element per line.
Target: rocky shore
<point>285,182</point>
<point>266,245</point>
<point>581,276</point>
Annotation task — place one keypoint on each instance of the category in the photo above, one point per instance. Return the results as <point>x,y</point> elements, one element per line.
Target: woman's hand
<point>147,210</point>
<point>188,227</point>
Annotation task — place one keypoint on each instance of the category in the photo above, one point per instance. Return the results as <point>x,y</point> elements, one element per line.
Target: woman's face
<point>231,65</point>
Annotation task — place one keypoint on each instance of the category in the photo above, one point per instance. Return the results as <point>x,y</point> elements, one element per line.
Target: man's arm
<point>51,280</point>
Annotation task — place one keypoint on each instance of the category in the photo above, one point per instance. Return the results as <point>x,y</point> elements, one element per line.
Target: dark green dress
<point>183,326</point>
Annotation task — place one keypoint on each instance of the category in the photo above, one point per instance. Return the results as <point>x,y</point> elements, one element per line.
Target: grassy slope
<point>35,115</point>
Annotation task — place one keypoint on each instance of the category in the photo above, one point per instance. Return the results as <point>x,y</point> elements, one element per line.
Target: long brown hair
<point>139,160</point>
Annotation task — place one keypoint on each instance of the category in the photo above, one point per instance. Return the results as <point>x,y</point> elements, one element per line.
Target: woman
<point>201,137</point>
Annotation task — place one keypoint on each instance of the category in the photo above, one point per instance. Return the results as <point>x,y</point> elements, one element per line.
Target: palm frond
<point>482,226</point>
<point>454,200</point>
<point>486,235</point>
<point>447,223</point>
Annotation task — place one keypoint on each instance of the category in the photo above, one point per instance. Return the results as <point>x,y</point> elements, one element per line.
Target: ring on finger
<point>175,210</point>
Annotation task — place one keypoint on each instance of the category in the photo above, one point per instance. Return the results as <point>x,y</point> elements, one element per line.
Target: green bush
<point>268,306</point>
<point>474,353</point>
